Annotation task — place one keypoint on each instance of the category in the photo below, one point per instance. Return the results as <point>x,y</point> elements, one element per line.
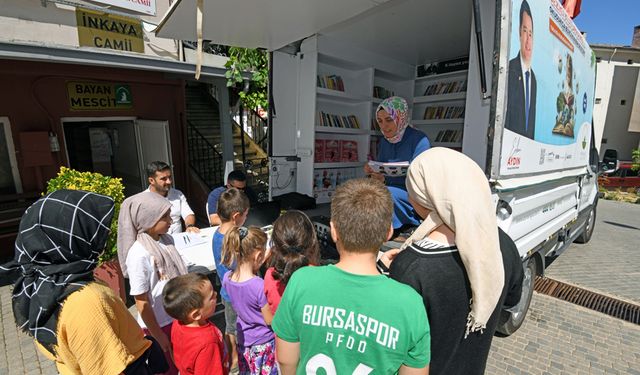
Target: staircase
<point>205,144</point>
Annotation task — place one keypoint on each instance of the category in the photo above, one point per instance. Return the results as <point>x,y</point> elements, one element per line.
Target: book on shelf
<point>444,112</point>
<point>449,136</point>
<point>337,121</point>
<point>325,181</point>
<point>442,88</point>
<point>373,148</point>
<point>318,153</point>
<point>348,151</point>
<point>331,151</point>
<point>332,82</point>
<point>381,92</point>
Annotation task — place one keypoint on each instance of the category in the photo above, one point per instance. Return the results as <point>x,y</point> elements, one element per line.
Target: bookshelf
<point>337,83</point>
<point>438,107</point>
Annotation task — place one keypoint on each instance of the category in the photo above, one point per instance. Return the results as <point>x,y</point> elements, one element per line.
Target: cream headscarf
<point>456,191</point>
<point>138,213</point>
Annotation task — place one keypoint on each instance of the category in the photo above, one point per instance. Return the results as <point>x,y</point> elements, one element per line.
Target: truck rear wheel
<point>511,319</point>
<point>589,225</point>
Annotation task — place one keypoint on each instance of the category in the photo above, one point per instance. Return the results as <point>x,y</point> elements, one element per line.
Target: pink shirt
<point>273,289</point>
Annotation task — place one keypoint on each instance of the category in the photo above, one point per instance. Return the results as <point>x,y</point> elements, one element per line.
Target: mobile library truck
<point>510,83</point>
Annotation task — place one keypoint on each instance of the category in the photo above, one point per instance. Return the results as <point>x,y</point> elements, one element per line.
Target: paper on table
<point>185,240</point>
<point>390,169</point>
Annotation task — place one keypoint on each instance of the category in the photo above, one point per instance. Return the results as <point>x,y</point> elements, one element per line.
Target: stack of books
<point>442,88</point>
<point>332,82</point>
<point>442,112</point>
<point>337,121</point>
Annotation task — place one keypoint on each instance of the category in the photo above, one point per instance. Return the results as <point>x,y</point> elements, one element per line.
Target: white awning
<point>269,24</point>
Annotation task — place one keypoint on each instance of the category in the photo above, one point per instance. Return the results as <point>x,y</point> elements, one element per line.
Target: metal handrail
<point>204,159</point>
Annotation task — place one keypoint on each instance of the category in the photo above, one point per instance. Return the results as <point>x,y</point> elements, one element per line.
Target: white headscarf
<point>457,192</point>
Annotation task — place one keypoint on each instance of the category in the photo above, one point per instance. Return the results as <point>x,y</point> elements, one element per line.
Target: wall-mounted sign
<point>102,30</point>
<point>98,96</point>
<point>140,6</point>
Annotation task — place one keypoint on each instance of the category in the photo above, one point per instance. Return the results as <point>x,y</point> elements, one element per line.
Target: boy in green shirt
<point>348,318</point>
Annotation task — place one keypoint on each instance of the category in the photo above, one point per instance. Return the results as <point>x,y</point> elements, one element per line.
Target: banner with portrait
<point>550,91</point>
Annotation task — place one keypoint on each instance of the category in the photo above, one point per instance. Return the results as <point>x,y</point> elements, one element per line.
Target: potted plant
<point>108,269</point>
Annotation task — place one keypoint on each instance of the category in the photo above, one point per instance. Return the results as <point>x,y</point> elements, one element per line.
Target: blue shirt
<point>214,196</point>
<point>212,201</point>
<point>221,269</point>
<point>412,144</point>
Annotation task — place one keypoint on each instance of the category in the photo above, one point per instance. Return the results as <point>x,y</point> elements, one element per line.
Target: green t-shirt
<point>352,324</point>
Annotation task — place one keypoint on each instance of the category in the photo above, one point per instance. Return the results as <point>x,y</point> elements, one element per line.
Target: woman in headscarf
<point>465,268</point>
<point>150,261</point>
<point>401,143</point>
<point>76,321</point>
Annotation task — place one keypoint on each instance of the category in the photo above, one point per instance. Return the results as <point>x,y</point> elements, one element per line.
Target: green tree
<point>251,60</point>
<point>635,158</point>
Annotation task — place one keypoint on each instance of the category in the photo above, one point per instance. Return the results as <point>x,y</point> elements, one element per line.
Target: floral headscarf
<point>398,109</point>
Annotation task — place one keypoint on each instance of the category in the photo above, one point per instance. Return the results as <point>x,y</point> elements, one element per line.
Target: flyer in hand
<point>390,169</point>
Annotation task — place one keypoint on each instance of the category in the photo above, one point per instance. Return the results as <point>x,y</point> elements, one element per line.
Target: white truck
<point>510,83</point>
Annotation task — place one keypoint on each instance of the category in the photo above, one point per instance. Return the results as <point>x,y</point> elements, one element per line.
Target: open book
<point>398,168</point>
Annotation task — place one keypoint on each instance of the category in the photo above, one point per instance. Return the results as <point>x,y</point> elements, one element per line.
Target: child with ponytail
<point>295,245</point>
<point>256,341</point>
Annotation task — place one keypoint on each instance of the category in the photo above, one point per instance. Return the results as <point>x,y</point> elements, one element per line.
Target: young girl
<point>256,346</point>
<point>295,245</point>
<point>151,261</point>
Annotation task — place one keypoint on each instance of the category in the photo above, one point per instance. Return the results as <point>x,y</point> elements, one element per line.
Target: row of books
<point>442,88</point>
<point>334,151</point>
<point>449,136</point>
<point>374,143</point>
<point>337,121</point>
<point>442,112</point>
<point>325,181</point>
<point>332,82</point>
<point>382,93</point>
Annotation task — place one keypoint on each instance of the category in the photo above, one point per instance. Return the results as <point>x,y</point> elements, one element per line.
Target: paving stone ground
<point>561,338</point>
<point>18,354</point>
<point>610,262</point>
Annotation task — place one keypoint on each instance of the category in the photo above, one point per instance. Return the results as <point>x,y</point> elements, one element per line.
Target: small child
<point>348,318</point>
<point>232,210</point>
<point>295,245</point>
<point>256,346</point>
<point>198,345</point>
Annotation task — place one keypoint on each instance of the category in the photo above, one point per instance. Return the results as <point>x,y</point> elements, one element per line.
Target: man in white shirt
<point>521,104</point>
<point>160,179</point>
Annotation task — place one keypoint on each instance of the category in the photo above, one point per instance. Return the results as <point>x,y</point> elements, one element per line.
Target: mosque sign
<point>98,96</point>
<point>109,31</point>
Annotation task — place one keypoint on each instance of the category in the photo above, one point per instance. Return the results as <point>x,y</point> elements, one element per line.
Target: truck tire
<point>589,225</point>
<point>511,319</point>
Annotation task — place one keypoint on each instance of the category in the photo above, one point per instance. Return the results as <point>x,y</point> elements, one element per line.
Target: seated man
<point>236,179</point>
<point>160,179</point>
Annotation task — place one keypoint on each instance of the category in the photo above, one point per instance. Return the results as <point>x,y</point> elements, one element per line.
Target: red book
<point>331,151</point>
<point>348,151</point>
<point>318,156</point>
